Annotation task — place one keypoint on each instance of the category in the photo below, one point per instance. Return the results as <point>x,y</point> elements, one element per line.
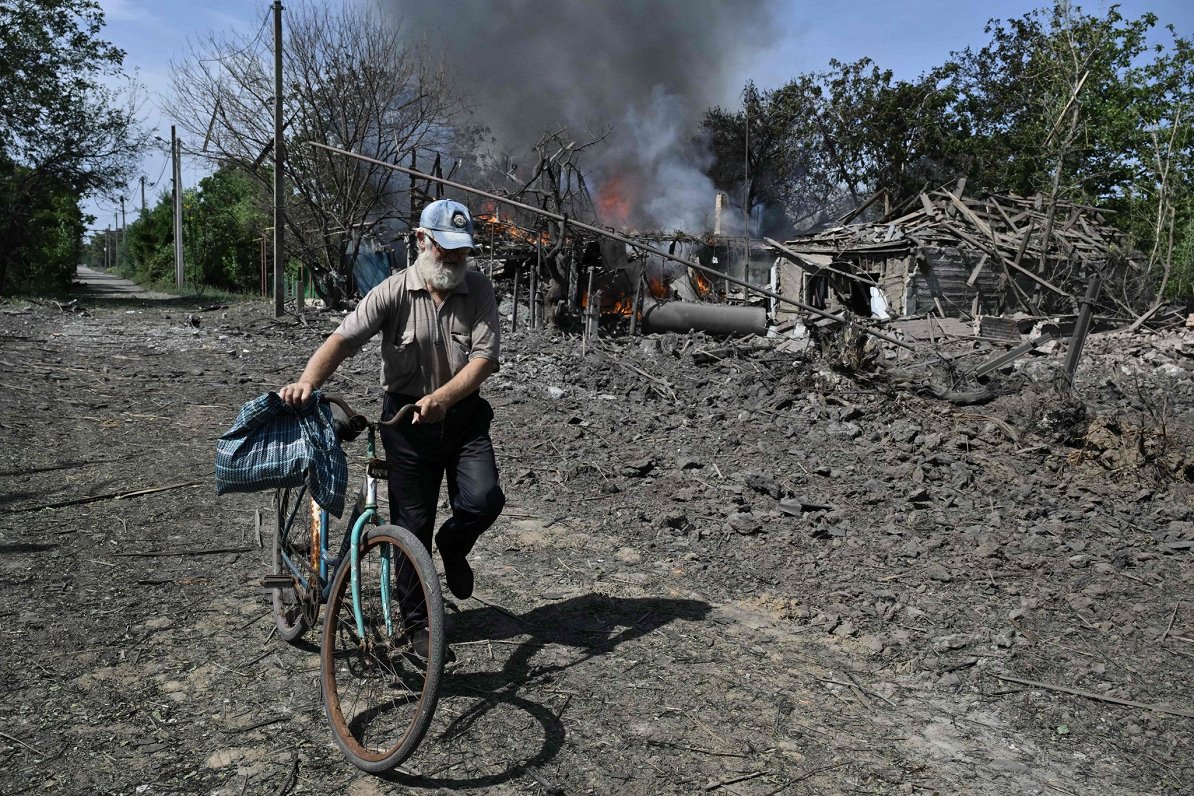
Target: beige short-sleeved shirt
<point>424,346</point>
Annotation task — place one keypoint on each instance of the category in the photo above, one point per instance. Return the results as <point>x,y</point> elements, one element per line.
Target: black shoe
<point>420,645</point>
<point>457,571</point>
<point>459,576</point>
<point>420,642</point>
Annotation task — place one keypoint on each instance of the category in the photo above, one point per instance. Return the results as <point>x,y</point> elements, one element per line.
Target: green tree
<point>45,259</point>
<point>1083,108</point>
<point>149,244</point>
<point>824,141</point>
<point>1054,85</point>
<point>64,134</point>
<point>753,161</point>
<point>224,218</point>
<point>354,82</point>
<point>1157,208</point>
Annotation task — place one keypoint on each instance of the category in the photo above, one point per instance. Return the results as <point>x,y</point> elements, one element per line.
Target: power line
<point>256,39</point>
<point>160,173</point>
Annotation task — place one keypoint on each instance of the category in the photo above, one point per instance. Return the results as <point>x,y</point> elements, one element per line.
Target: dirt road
<point>720,571</point>
<point>93,285</point>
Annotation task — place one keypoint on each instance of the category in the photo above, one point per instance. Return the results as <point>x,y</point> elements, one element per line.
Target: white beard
<point>437,274</point>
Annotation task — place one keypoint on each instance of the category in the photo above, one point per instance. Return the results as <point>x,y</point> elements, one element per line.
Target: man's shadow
<point>592,625</point>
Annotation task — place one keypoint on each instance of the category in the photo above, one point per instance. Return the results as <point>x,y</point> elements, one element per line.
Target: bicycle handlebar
<point>358,422</point>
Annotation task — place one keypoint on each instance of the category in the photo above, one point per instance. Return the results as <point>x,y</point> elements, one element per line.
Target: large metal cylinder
<point>686,316</point>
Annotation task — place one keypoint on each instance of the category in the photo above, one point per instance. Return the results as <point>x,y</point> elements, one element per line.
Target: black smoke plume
<point>648,69</point>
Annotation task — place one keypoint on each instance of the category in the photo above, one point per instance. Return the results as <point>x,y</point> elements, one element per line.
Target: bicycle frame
<point>327,566</point>
<point>322,563</point>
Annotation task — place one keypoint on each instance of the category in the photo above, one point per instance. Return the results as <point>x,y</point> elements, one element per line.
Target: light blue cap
<point>448,223</point>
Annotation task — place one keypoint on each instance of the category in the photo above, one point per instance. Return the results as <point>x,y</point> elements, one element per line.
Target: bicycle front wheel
<point>380,687</point>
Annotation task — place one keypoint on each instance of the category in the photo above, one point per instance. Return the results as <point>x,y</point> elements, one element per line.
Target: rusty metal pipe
<point>628,241</point>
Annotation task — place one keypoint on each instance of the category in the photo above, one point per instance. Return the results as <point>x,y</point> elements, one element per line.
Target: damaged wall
<point>952,280</point>
<point>960,256</point>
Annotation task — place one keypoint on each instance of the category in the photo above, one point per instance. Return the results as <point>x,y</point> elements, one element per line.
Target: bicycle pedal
<point>277,582</point>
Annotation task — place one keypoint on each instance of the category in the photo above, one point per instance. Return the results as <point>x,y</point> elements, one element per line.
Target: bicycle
<point>380,687</point>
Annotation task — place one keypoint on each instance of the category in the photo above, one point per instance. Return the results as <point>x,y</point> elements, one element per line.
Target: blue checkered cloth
<point>274,445</point>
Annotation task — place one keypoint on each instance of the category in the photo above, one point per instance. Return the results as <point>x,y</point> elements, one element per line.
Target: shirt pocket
<point>403,355</point>
<point>460,346</point>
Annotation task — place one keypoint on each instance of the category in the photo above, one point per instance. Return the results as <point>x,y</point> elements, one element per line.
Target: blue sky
<point>906,36</point>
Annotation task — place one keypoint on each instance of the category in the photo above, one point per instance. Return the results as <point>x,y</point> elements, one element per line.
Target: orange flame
<point>616,199</point>
<point>702,283</point>
<point>623,305</point>
<point>493,226</point>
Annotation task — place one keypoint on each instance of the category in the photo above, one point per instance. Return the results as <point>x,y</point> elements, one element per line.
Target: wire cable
<point>256,39</point>
<point>165,163</point>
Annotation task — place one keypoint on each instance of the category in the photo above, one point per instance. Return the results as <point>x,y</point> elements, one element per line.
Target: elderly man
<point>439,325</point>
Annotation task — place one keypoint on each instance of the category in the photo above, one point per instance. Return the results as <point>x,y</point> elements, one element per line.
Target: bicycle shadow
<point>592,624</point>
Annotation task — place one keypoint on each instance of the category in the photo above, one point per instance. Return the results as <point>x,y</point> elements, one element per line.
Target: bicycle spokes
<point>383,650</point>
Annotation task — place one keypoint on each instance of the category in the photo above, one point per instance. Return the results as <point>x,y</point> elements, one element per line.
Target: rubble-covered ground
<point>724,567</point>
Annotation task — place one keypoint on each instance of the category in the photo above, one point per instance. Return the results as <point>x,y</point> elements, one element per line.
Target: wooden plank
<point>814,268</point>
<point>1024,242</point>
<point>977,270</point>
<point>1034,277</point>
<point>971,217</point>
<point>1006,219</point>
<point>906,219</point>
<point>1006,358</point>
<point>848,217</point>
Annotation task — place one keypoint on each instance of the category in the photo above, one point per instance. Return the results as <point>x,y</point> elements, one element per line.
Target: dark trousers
<point>419,455</point>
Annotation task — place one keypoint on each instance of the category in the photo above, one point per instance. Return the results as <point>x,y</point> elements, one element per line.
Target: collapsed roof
<point>957,256</point>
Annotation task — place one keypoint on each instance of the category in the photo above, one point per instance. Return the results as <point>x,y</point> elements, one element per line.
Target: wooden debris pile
<point>963,256</point>
<point>1009,226</point>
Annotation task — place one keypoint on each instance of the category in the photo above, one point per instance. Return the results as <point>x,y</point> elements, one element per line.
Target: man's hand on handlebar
<point>430,409</point>
<point>297,394</point>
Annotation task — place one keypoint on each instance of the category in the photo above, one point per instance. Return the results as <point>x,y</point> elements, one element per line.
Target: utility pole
<point>116,241</point>
<point>746,191</point>
<point>176,155</point>
<point>124,226</point>
<point>279,159</point>
<point>142,196</point>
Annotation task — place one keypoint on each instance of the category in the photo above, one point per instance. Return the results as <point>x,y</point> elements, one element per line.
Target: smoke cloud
<point>647,68</point>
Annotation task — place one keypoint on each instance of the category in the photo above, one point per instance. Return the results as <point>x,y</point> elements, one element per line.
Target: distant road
<point>100,284</point>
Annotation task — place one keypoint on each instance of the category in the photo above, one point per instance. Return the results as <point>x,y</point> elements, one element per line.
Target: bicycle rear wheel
<point>296,551</point>
<point>379,695</point>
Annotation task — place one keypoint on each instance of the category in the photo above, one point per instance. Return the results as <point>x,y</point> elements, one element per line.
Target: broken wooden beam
<point>1078,340</point>
<point>1008,357</point>
<point>962,235</point>
<point>814,268</point>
